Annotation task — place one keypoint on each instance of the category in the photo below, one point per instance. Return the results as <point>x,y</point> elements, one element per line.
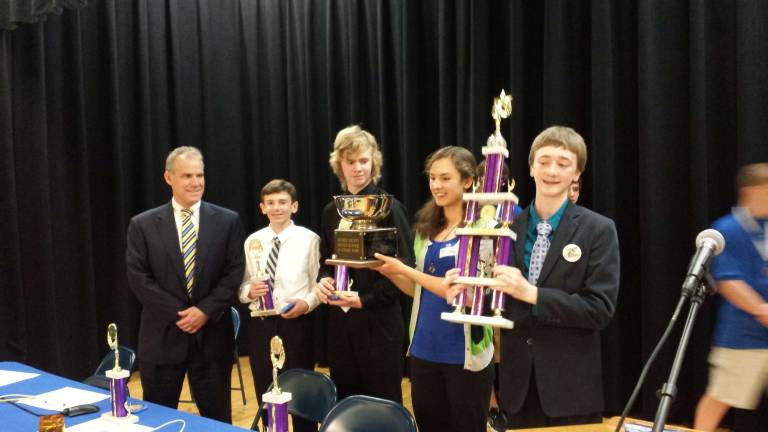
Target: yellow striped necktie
<point>188,248</point>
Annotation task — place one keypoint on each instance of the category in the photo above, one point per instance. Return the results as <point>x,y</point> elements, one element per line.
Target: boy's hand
<point>515,284</point>
<point>349,302</point>
<point>300,307</point>
<point>258,289</point>
<point>324,289</point>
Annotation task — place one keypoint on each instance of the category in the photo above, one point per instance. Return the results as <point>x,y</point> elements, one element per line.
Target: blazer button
<point>529,341</point>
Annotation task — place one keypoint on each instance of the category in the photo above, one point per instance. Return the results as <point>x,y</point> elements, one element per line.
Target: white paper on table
<point>65,397</point>
<point>10,377</point>
<point>633,427</point>
<point>101,425</point>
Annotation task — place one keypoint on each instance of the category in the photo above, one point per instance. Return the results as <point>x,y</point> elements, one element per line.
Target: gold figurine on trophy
<point>277,355</point>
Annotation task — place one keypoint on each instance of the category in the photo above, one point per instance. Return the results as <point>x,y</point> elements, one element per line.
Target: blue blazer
<point>559,339</point>
<point>155,273</point>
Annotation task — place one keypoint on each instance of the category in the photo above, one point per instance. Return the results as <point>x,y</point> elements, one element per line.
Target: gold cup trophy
<point>358,238</point>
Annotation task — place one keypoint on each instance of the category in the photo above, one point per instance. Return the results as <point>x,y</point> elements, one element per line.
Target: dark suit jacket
<point>561,342</point>
<point>156,275</point>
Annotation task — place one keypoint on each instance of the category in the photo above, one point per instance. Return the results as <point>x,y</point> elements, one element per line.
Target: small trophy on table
<point>118,384</point>
<point>358,238</point>
<point>261,306</point>
<point>276,399</point>
<point>488,218</point>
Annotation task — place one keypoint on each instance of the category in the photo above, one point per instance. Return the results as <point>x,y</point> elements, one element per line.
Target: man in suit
<point>564,279</point>
<point>185,263</point>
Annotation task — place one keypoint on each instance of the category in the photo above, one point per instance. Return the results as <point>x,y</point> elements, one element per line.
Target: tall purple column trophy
<point>358,238</point>
<point>486,238</point>
<point>118,384</point>
<point>276,399</point>
<point>261,306</point>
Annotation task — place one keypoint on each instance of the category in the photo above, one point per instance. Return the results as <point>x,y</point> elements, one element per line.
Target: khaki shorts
<point>738,377</point>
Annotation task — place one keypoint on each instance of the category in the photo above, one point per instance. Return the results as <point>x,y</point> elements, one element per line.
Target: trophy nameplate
<point>360,245</point>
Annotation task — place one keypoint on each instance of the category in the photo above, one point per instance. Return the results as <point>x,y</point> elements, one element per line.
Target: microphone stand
<point>668,391</point>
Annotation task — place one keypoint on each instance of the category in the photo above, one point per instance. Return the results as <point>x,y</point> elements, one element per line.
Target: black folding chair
<point>313,394</point>
<point>360,413</point>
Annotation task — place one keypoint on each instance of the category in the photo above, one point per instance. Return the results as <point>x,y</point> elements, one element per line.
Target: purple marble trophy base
<point>277,411</point>
<point>462,318</point>
<point>118,389</point>
<point>263,306</point>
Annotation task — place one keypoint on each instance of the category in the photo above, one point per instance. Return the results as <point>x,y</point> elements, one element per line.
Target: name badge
<point>449,251</point>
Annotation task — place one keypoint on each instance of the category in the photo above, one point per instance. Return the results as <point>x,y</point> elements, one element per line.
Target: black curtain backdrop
<point>15,12</point>
<point>670,96</point>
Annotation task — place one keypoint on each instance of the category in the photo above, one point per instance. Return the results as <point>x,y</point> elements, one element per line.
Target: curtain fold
<point>15,12</point>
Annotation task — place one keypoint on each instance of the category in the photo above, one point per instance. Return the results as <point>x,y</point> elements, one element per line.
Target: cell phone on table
<point>287,307</point>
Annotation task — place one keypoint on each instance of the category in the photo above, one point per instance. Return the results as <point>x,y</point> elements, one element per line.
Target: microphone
<point>708,244</point>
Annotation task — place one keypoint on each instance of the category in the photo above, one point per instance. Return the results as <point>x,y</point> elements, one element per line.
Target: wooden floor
<point>242,415</point>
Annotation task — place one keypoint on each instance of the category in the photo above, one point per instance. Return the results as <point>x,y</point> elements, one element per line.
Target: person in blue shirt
<point>451,365</point>
<point>563,281</point>
<point>738,374</point>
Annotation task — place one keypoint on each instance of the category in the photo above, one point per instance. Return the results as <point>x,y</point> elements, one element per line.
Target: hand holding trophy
<point>263,305</point>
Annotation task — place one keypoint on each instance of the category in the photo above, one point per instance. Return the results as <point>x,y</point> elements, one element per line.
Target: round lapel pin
<point>571,252</point>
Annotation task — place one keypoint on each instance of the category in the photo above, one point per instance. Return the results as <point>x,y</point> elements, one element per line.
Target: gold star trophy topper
<point>501,109</point>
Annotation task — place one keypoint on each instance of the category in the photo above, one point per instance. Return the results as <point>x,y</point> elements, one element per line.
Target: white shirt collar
<point>284,234</point>
<point>177,208</point>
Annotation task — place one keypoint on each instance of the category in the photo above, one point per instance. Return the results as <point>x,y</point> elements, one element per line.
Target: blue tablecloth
<point>13,419</point>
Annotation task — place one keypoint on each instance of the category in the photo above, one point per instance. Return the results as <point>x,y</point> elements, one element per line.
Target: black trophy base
<point>360,245</point>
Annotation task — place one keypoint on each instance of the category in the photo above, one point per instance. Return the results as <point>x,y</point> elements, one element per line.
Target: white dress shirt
<point>297,264</point>
<point>178,216</point>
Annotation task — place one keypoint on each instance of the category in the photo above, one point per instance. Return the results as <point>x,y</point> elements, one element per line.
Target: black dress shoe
<point>497,419</point>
